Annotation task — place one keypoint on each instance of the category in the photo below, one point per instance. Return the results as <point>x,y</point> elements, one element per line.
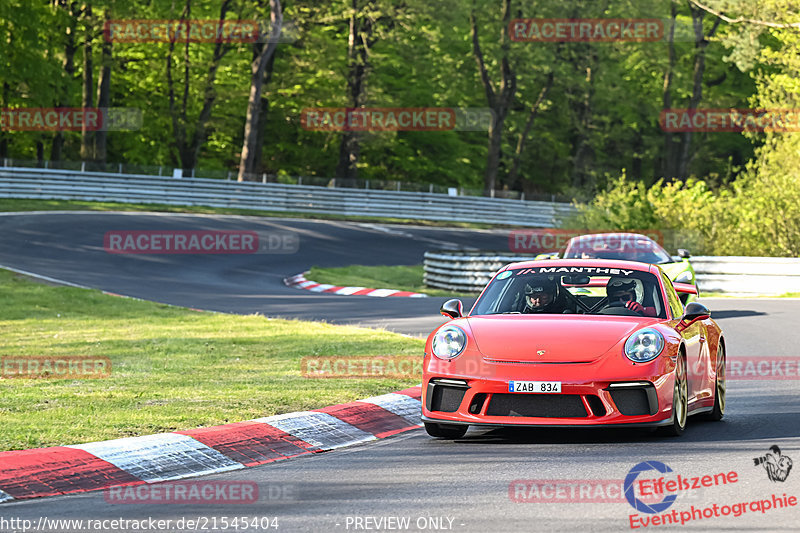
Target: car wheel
<point>719,389</point>
<point>680,401</point>
<point>445,431</point>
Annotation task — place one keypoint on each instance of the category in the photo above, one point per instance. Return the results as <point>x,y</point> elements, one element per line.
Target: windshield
<point>572,290</point>
<point>618,247</point>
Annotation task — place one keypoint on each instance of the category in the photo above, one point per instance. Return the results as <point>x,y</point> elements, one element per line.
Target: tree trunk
<point>62,99</point>
<point>187,144</point>
<point>104,94</point>
<point>263,112</point>
<point>668,167</point>
<point>359,42</point>
<point>512,176</point>
<point>3,104</point>
<point>697,82</point>
<point>87,95</point>
<point>250,144</point>
<point>583,148</point>
<point>498,100</point>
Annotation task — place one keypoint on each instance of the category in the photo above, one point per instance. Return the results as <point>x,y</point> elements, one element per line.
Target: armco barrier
<point>747,275</point>
<point>97,186</point>
<point>465,271</point>
<point>470,271</point>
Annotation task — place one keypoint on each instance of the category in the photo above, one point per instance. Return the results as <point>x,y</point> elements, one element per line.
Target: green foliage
<point>604,102</point>
<point>760,216</point>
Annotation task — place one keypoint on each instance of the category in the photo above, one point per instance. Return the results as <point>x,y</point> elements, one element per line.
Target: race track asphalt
<point>461,485</point>
<point>62,245</point>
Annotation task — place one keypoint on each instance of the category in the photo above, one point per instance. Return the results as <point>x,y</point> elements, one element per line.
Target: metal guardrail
<point>469,272</point>
<point>107,187</point>
<point>747,275</point>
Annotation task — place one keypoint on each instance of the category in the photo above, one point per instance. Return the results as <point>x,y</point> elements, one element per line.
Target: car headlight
<point>644,345</point>
<point>449,342</point>
<point>684,277</point>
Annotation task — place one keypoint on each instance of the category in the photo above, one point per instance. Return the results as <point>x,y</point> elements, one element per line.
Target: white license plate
<point>540,387</point>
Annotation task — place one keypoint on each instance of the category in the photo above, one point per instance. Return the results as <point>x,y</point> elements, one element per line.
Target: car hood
<point>564,339</point>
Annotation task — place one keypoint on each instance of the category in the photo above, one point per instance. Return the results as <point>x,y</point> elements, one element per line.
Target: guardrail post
<point>366,186</point>
<point>299,180</point>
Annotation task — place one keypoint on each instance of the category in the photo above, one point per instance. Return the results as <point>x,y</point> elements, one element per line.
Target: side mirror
<point>452,308</point>
<point>684,254</point>
<point>695,311</point>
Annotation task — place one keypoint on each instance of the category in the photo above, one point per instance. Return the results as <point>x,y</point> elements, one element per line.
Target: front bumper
<point>636,396</point>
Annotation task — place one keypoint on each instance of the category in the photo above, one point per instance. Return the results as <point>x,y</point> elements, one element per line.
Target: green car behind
<point>632,247</point>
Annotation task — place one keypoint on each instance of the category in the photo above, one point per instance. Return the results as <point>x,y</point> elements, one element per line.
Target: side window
<point>672,297</point>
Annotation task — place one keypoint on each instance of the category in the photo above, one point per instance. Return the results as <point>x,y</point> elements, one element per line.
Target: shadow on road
<point>735,314</point>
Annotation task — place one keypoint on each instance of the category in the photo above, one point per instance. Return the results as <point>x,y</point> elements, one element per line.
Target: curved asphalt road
<point>69,247</point>
<point>456,486</point>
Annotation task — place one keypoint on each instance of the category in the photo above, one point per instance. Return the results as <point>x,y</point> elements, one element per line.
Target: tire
<point>680,402</point>
<point>720,386</point>
<point>445,431</point>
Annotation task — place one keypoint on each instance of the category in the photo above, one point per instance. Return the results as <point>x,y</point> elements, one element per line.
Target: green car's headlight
<point>449,342</point>
<point>684,277</point>
<point>644,345</point>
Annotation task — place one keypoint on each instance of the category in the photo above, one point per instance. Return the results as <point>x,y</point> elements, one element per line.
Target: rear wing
<point>685,288</point>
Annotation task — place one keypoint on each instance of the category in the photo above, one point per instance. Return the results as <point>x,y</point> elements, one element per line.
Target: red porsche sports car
<point>540,349</point>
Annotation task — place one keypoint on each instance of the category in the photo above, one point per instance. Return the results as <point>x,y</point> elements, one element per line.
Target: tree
<point>499,99</point>
<point>190,135</point>
<point>262,54</point>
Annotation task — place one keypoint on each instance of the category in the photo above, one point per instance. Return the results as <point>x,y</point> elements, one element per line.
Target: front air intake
<point>445,395</point>
<point>537,405</point>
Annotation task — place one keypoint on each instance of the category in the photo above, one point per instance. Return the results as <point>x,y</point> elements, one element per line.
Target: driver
<point>543,296</point>
<point>621,292</point>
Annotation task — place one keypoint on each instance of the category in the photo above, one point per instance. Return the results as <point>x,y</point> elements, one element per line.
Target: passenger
<point>544,296</point>
<point>621,292</point>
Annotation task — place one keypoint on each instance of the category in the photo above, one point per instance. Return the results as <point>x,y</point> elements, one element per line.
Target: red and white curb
<point>41,472</point>
<point>299,281</point>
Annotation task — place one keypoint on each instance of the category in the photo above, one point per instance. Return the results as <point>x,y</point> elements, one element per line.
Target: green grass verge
<point>403,278</point>
<point>7,204</point>
<point>172,368</point>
